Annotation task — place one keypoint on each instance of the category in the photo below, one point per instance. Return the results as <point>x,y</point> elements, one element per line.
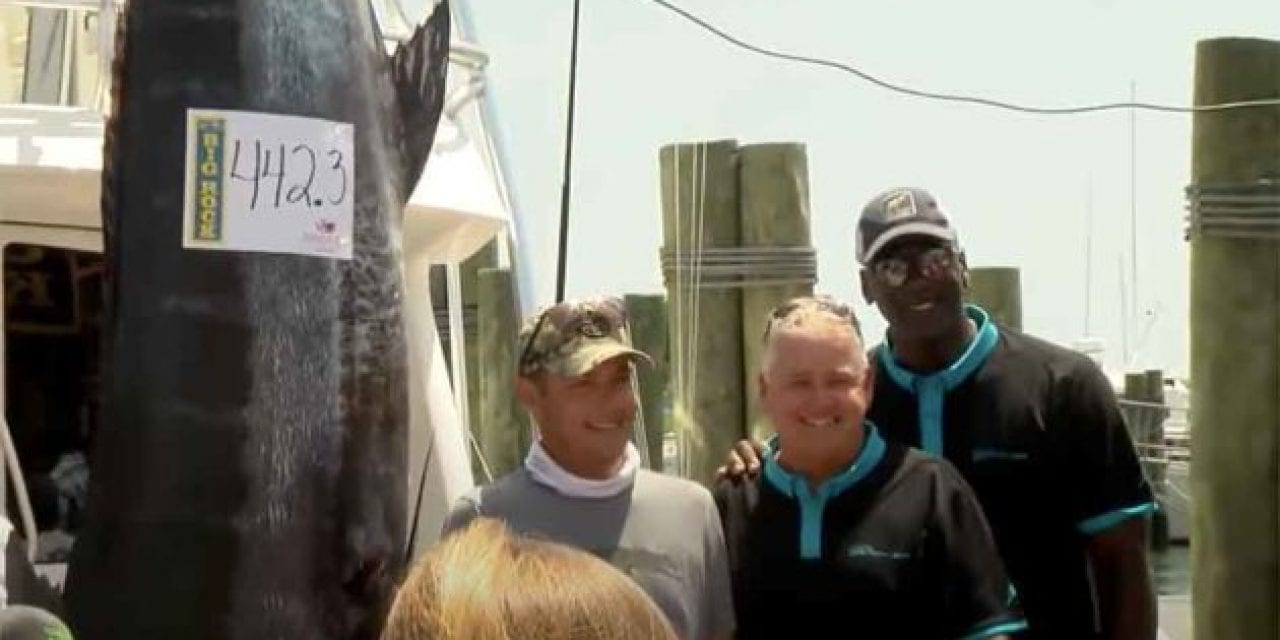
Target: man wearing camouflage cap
<point>582,484</point>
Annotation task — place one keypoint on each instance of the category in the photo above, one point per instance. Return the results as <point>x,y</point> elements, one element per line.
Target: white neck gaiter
<point>546,471</point>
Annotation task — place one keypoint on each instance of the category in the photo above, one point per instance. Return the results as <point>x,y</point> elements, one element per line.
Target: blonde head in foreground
<point>482,583</point>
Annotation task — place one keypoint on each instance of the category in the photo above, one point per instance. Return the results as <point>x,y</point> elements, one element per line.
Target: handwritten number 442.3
<point>282,175</point>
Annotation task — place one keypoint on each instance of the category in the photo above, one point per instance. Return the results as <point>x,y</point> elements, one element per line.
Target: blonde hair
<point>812,314</point>
<point>483,583</point>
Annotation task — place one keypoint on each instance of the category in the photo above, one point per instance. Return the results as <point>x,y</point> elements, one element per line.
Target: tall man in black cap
<point>1034,428</point>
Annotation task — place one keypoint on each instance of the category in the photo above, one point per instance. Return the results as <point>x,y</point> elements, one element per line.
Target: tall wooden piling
<point>774,196</point>
<point>648,319</point>
<point>998,290</point>
<point>1235,338</point>
<point>503,425</point>
<point>700,211</point>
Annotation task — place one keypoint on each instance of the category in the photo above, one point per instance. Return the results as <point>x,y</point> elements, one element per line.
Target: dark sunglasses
<point>601,318</point>
<point>932,263</point>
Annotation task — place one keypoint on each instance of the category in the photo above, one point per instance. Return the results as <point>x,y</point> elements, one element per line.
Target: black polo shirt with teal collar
<point>1036,431</point>
<point>894,546</point>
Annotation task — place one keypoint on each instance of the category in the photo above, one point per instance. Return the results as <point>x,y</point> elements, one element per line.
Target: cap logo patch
<point>899,205</point>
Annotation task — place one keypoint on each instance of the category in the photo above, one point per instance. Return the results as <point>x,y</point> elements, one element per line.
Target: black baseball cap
<point>907,211</point>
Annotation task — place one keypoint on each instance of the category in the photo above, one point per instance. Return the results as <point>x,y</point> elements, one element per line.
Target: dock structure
<point>466,336</point>
<point>777,257</point>
<point>1234,236</point>
<point>998,290</point>
<point>647,317</point>
<point>735,244</point>
<point>1145,412</point>
<point>700,213</point>
<point>503,425</point>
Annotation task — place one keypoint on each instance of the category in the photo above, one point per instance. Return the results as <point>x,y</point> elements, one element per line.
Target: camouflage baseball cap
<point>574,337</point>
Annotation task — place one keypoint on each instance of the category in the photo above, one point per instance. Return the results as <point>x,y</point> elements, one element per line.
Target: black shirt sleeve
<point>1107,482</point>
<point>979,600</point>
<point>735,501</point>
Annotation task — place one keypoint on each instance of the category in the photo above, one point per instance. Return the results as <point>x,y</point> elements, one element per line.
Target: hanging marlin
<point>249,480</point>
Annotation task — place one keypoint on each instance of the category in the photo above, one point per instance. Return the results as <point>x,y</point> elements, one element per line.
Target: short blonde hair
<point>483,583</point>
<point>812,313</point>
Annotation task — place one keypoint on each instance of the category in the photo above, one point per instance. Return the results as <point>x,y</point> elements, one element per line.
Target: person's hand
<point>742,463</point>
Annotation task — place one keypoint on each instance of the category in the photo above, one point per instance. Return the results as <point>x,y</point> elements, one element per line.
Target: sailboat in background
<point>1159,424</point>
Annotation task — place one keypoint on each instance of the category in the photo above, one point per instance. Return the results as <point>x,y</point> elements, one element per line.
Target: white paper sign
<point>269,183</point>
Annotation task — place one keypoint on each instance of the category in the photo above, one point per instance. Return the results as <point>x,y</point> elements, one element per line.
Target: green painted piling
<point>648,320</point>
<point>700,209</point>
<point>999,291</point>
<point>503,425</point>
<point>1235,368</point>
<point>774,196</point>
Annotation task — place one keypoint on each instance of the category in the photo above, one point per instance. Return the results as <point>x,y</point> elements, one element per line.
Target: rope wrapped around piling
<point>1247,210</point>
<point>739,267</point>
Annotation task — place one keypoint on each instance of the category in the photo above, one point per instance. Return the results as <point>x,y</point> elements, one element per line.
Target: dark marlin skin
<point>249,480</point>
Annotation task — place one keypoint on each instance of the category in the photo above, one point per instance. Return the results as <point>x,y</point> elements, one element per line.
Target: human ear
<point>868,291</point>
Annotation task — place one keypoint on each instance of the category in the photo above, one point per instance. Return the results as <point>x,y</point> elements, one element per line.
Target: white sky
<point>1017,185</point>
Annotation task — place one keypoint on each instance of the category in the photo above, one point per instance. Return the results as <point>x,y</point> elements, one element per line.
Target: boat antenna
<point>1133,204</point>
<point>562,251</point>
<point>1088,255</point>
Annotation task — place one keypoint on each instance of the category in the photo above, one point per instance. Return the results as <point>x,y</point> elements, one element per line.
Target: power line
<point>840,66</point>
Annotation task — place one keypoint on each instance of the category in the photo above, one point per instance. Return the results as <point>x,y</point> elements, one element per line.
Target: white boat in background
<point>53,94</point>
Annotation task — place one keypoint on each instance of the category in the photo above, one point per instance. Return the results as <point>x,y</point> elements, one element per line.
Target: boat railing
<point>1161,437</point>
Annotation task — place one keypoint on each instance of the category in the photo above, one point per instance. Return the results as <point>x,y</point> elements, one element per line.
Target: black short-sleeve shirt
<point>893,547</point>
<point>1036,431</point>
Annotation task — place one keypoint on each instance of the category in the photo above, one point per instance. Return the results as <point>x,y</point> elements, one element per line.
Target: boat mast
<point>1133,204</point>
<point>1088,255</point>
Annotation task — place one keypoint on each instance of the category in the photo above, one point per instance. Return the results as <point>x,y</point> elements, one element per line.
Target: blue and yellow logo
<point>210,137</point>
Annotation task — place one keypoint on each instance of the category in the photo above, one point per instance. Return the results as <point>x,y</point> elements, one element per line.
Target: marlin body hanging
<point>249,480</point>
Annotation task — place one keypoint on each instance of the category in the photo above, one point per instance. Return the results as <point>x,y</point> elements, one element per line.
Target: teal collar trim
<point>812,504</point>
<point>931,389</point>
